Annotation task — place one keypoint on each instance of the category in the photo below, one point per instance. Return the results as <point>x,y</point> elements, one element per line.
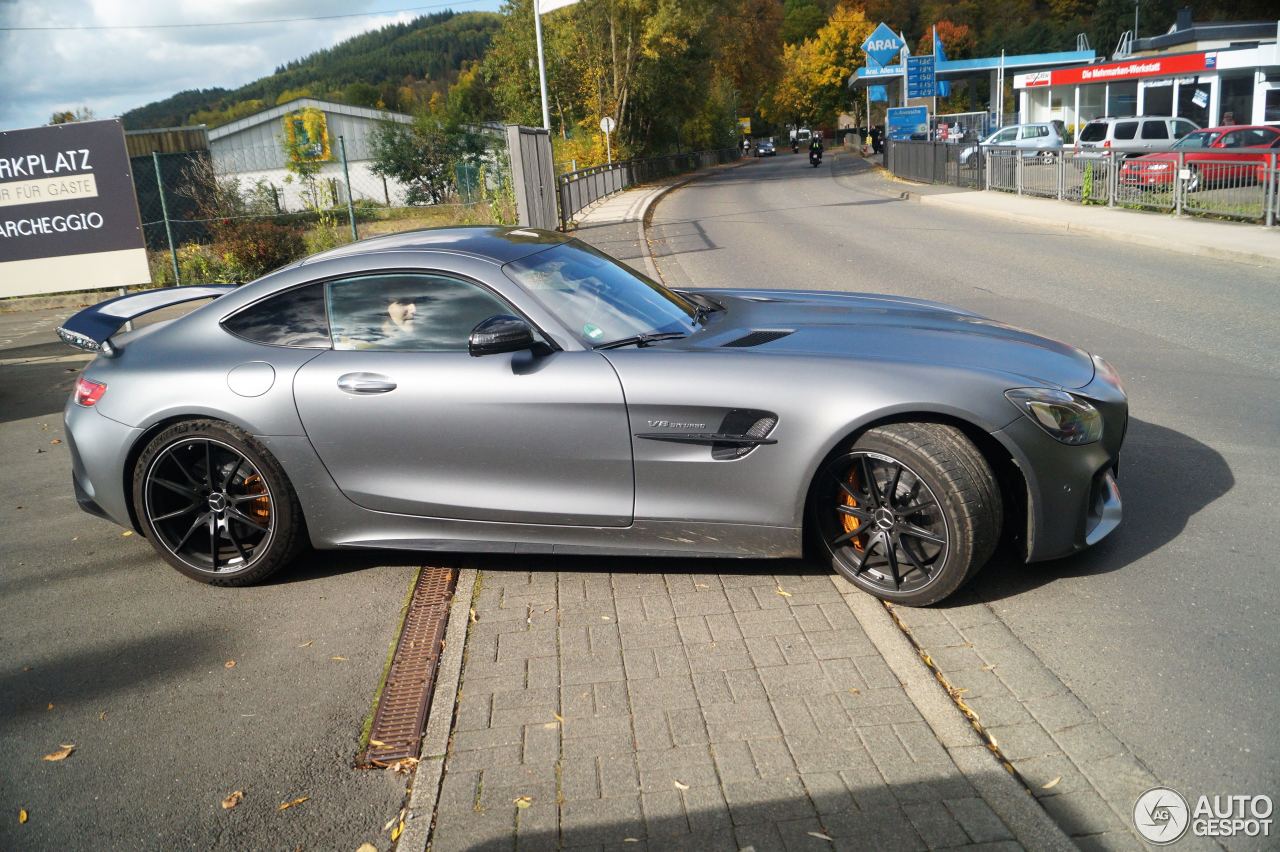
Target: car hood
<point>880,327</point>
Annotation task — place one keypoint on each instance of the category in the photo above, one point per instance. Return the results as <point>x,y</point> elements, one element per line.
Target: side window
<point>1155,130</point>
<point>1034,131</point>
<point>1258,138</point>
<point>1126,130</point>
<point>1007,136</point>
<point>1234,139</point>
<point>418,312</point>
<point>292,318</point>
<point>1182,127</point>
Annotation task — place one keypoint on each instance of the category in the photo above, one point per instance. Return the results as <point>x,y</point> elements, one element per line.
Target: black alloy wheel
<point>215,504</point>
<point>908,513</point>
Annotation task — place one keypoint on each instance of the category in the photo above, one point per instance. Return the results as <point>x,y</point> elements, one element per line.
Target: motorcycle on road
<point>815,157</point>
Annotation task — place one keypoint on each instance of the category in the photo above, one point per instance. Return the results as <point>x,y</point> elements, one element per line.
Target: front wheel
<point>216,505</point>
<point>909,512</point>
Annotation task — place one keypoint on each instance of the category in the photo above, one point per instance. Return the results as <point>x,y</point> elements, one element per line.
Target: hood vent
<point>759,337</point>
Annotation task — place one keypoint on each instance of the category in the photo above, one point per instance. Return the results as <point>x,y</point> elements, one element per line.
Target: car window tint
<point>1094,132</point>
<point>1258,137</point>
<point>1182,127</point>
<point>293,318</point>
<point>1234,139</point>
<point>1155,130</point>
<point>1126,129</point>
<point>416,312</point>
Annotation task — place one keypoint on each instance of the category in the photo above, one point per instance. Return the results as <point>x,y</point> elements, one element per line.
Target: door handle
<point>365,383</point>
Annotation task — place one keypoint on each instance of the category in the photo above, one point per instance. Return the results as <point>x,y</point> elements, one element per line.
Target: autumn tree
<point>72,116</point>
<point>814,86</point>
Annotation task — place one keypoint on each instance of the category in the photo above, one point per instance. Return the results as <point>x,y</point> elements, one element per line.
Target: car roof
<point>496,243</point>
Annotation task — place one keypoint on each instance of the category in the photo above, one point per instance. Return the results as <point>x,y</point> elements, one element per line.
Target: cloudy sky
<point>47,64</point>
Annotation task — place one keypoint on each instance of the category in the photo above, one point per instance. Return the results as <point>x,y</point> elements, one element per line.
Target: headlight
<point>1068,418</point>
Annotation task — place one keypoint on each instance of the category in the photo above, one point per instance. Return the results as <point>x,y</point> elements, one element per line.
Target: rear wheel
<point>216,505</point>
<point>908,513</point>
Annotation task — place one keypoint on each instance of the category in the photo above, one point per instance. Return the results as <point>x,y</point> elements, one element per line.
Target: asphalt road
<point>105,647</point>
<point>1167,630</point>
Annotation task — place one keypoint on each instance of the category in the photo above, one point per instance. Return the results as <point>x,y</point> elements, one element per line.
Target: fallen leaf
<point>550,726</point>
<point>630,840</point>
<point>474,617</point>
<point>989,668</point>
<point>307,644</point>
<point>559,718</point>
<point>699,586</point>
<point>62,753</point>
<point>523,802</point>
<point>817,834</point>
<point>50,707</point>
<point>102,717</point>
<point>339,659</point>
<point>284,806</point>
<point>391,822</point>
<point>229,664</point>
<point>126,533</point>
<point>56,441</point>
<point>680,786</point>
<point>397,831</point>
<point>605,618</point>
<point>366,847</point>
<point>232,800</point>
<point>1051,784</point>
<point>783,592</point>
<point>22,816</point>
<point>404,765</point>
<point>377,743</point>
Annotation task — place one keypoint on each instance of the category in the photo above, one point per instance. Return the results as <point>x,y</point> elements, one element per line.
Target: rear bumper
<point>99,451</point>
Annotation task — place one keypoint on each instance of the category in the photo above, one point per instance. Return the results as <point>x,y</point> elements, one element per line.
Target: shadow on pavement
<point>37,388</point>
<point>108,669</point>
<point>1166,477</point>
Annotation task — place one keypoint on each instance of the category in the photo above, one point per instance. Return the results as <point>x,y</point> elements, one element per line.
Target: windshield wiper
<point>641,339</point>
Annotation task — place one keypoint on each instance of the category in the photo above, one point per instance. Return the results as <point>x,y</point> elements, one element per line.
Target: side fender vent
<point>753,427</point>
<point>759,337</point>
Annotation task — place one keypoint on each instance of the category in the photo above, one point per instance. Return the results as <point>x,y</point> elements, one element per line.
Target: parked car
<point>764,148</point>
<point>1219,155</point>
<point>1042,138</point>
<point>515,390</point>
<point>1131,136</point>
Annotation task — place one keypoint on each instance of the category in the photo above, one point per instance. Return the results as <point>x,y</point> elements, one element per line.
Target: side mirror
<point>500,334</point>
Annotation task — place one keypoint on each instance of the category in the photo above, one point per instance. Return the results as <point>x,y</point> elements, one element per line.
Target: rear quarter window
<point>1094,132</point>
<point>294,318</point>
<point>1155,130</point>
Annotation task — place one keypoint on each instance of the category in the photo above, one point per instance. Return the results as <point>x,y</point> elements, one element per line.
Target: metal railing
<point>580,189</point>
<point>954,163</point>
<point>1242,185</point>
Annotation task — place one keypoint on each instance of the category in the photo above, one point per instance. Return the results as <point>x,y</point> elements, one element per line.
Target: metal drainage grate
<point>402,709</point>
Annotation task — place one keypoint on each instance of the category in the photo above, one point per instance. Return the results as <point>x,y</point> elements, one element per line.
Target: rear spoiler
<point>90,328</point>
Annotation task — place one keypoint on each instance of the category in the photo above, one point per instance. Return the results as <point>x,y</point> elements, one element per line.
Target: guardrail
<point>582,188</point>
<point>1242,185</point>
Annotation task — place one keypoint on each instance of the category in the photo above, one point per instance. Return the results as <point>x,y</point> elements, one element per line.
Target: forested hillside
<point>392,67</point>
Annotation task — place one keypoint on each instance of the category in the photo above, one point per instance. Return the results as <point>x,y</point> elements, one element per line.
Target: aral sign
<point>68,213</point>
<point>883,45</point>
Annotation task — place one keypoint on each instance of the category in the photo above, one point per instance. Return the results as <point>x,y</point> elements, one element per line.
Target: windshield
<point>598,299</point>
<point>1199,139</point>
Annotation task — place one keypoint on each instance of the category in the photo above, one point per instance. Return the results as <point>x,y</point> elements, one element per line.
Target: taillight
<point>88,393</point>
<point>1106,143</point>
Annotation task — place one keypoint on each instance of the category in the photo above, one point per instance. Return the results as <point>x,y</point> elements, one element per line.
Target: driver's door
<point>407,421</point>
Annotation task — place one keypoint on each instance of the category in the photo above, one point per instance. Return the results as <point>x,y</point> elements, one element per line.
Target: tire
<point>937,528</point>
<point>216,505</point>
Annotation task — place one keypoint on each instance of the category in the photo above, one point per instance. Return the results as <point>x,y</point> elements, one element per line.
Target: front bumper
<point>1073,494</point>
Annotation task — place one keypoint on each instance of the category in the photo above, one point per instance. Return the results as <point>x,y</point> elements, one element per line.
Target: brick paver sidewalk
<point>726,710</point>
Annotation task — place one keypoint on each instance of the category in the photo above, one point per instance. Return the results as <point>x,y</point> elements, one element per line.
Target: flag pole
<point>542,64</point>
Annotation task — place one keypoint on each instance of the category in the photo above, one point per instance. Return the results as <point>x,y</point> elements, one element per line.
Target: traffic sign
<point>922,81</point>
<point>882,45</point>
<point>607,124</point>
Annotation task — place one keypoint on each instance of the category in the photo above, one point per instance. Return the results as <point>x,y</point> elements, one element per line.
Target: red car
<point>1217,155</point>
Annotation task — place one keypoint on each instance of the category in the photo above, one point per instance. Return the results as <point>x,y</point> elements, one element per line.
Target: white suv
<point>1132,135</point>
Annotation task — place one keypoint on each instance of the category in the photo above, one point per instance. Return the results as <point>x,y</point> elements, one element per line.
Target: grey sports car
<point>513,390</point>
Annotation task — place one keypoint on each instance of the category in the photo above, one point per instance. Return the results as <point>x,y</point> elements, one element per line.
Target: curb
<point>1013,803</point>
<point>1030,824</point>
<point>1146,241</point>
<point>420,810</point>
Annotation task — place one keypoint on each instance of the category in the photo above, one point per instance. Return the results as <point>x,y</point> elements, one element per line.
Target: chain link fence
<point>1242,186</point>
<point>234,213</point>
